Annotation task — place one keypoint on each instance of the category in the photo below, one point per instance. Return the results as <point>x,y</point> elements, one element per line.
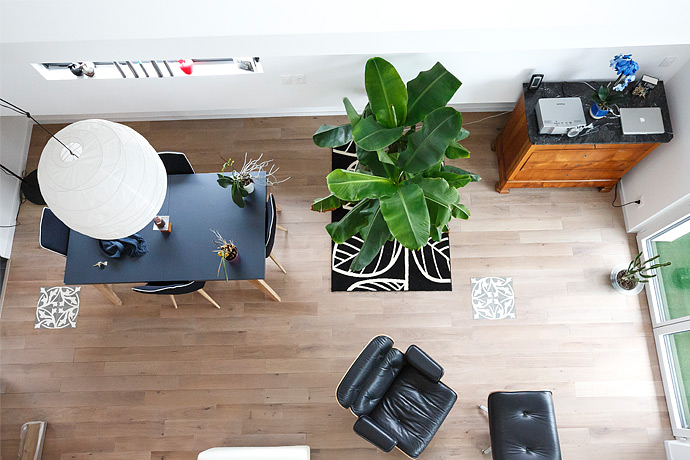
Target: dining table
<point>195,205</point>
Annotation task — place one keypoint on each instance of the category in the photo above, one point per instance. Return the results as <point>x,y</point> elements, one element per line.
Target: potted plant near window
<point>630,279</point>
<point>242,181</point>
<point>402,189</point>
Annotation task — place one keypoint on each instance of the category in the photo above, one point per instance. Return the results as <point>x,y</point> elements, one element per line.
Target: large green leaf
<point>353,221</point>
<point>439,215</point>
<point>327,203</point>
<point>355,186</point>
<point>332,136</point>
<point>462,135</point>
<point>386,91</point>
<point>407,216</point>
<point>456,150</point>
<point>454,180</point>
<point>460,211</point>
<point>473,177</point>
<point>372,161</point>
<point>352,114</point>
<point>375,234</point>
<point>428,146</point>
<point>430,90</point>
<point>437,190</point>
<point>370,135</point>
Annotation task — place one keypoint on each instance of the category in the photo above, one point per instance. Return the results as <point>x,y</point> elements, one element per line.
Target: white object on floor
<point>57,307</point>
<point>493,298</point>
<point>677,450</point>
<point>256,453</point>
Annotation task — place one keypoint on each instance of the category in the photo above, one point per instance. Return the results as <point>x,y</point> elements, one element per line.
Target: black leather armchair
<point>398,398</point>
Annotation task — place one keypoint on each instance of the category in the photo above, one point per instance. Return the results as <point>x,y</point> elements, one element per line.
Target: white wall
<point>663,177</point>
<point>14,147</point>
<point>492,46</point>
<point>491,80</point>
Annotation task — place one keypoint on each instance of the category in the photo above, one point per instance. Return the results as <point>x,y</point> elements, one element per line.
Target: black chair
<point>173,289</point>
<point>176,163</point>
<point>53,234</point>
<point>271,225</point>
<point>522,425</point>
<point>398,398</point>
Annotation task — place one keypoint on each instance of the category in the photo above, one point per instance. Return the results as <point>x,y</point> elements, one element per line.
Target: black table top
<point>606,130</point>
<point>195,204</point>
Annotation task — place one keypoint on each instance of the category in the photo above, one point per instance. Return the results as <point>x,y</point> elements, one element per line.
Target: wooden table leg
<point>263,286</point>
<point>107,291</point>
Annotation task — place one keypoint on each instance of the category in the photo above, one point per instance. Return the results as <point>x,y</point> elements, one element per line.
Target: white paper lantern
<point>112,188</point>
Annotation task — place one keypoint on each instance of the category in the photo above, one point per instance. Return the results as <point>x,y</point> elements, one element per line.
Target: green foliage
<point>639,270</point>
<point>605,98</point>
<point>386,92</point>
<point>402,189</point>
<point>429,90</point>
<point>332,136</point>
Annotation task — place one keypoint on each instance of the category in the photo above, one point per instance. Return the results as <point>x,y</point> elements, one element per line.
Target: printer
<point>558,115</point>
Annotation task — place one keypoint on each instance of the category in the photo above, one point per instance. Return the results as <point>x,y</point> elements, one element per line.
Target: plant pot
<point>596,112</point>
<point>249,188</point>
<point>235,260</point>
<point>616,285</point>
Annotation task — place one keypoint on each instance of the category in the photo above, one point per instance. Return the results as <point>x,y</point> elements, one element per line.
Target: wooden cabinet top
<point>606,130</point>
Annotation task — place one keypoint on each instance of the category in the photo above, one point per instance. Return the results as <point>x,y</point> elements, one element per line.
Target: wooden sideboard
<point>529,160</point>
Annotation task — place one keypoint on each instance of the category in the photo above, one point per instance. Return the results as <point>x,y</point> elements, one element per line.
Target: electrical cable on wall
<point>615,197</point>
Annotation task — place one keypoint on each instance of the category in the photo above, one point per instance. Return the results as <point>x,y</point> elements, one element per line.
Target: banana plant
<point>402,189</point>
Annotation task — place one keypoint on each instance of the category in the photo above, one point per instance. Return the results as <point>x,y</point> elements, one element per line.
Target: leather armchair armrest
<point>423,363</point>
<point>366,428</point>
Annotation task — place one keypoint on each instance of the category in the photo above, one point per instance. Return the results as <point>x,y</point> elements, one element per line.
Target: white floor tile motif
<point>493,298</point>
<point>57,307</point>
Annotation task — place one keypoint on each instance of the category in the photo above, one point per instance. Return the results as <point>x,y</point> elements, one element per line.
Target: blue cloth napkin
<point>133,246</point>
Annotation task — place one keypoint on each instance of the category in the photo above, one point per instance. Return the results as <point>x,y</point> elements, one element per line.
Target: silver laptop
<point>645,120</point>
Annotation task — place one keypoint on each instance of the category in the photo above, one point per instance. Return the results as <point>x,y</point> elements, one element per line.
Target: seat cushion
<point>379,381</point>
<point>523,426</point>
<point>413,409</point>
<point>358,374</point>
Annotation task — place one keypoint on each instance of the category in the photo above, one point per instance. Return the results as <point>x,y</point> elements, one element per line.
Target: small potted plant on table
<point>242,181</point>
<point>630,280</point>
<point>603,100</point>
<point>227,252</point>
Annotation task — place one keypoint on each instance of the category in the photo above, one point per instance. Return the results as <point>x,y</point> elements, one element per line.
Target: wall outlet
<point>300,79</point>
<point>668,61</point>
<point>287,79</point>
<point>641,200</point>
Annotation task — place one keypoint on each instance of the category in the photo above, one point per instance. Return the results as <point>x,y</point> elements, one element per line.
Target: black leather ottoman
<point>522,425</point>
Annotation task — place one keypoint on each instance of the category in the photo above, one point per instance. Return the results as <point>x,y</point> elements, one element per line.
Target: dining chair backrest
<point>176,163</point>
<point>53,233</point>
<point>271,223</point>
<point>170,288</point>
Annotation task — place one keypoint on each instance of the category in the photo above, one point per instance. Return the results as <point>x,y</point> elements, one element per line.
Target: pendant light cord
<point>28,115</point>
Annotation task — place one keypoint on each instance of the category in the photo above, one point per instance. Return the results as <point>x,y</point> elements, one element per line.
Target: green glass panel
<point>673,281</point>
<point>678,346</point>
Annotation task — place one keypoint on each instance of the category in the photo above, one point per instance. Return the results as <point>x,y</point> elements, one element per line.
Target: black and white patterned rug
<point>395,268</point>
<point>57,307</point>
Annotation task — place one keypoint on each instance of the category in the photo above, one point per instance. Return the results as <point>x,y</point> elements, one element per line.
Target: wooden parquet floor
<point>145,381</point>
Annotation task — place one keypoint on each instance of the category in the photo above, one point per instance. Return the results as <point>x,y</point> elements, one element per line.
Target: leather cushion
<point>379,380</point>
<point>523,426</point>
<point>413,409</point>
<point>358,374</point>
